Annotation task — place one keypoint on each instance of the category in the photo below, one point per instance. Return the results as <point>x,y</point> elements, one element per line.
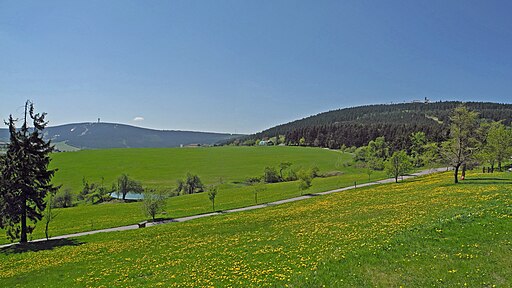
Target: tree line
<point>471,141</point>
<point>357,126</point>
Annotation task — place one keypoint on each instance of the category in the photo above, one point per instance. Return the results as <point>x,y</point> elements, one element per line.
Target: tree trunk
<point>456,173</point>
<point>23,220</point>
<point>499,166</point>
<point>396,179</point>
<point>46,230</point>
<point>463,174</point>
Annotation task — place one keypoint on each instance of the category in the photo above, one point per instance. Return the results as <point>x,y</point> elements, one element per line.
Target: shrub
<point>291,175</point>
<point>192,184</point>
<point>86,190</point>
<point>95,193</point>
<point>252,180</point>
<point>270,175</point>
<point>63,199</point>
<point>305,179</point>
<point>314,172</point>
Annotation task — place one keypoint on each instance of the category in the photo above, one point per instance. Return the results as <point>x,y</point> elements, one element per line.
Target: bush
<point>270,175</point>
<point>192,184</point>
<point>63,199</point>
<point>86,190</point>
<point>314,172</point>
<point>249,142</point>
<point>291,175</point>
<point>332,174</point>
<point>252,180</point>
<point>351,149</point>
<point>95,193</point>
<point>305,179</point>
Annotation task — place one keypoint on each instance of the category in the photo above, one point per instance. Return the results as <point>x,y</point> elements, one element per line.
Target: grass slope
<point>424,232</point>
<point>161,167</point>
<point>63,146</point>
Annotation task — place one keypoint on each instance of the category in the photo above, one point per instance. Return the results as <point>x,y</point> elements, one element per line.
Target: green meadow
<point>159,168</point>
<point>226,167</point>
<point>418,233</point>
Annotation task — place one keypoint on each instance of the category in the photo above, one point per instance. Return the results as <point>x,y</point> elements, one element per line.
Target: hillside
<point>426,232</point>
<point>111,135</point>
<point>356,126</point>
<point>158,168</point>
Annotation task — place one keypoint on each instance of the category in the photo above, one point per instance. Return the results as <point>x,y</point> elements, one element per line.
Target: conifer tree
<point>25,177</point>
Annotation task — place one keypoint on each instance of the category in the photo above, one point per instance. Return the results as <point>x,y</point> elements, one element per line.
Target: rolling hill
<point>426,232</point>
<point>159,169</point>
<point>356,126</point>
<point>111,135</point>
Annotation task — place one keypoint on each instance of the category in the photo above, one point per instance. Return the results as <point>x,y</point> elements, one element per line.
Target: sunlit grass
<point>161,167</point>
<point>426,232</point>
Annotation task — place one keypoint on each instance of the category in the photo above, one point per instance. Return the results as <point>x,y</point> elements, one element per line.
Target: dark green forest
<point>357,126</point>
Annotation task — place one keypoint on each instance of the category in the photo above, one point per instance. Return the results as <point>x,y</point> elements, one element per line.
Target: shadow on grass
<point>480,181</point>
<point>39,246</point>
<point>489,181</point>
<point>162,220</point>
<point>469,182</point>
<point>490,178</point>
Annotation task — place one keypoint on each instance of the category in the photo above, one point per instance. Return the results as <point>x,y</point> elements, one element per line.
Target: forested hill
<point>358,125</point>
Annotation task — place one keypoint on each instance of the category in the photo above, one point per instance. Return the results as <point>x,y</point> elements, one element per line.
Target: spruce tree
<point>25,177</point>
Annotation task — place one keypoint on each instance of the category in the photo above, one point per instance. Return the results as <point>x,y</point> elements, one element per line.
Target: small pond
<point>129,196</point>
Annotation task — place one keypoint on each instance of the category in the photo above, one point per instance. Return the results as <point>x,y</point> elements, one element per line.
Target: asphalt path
<point>193,217</point>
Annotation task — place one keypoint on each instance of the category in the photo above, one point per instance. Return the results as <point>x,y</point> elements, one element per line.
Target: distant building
<point>266,143</point>
<point>425,101</point>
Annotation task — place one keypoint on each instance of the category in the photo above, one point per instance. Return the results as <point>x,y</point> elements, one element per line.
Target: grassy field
<point>160,168</point>
<point>242,162</point>
<point>423,232</point>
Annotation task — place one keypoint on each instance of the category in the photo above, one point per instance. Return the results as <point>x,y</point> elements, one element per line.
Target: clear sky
<point>244,66</point>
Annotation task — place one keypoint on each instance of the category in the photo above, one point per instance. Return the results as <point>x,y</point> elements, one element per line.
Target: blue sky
<point>244,66</point>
